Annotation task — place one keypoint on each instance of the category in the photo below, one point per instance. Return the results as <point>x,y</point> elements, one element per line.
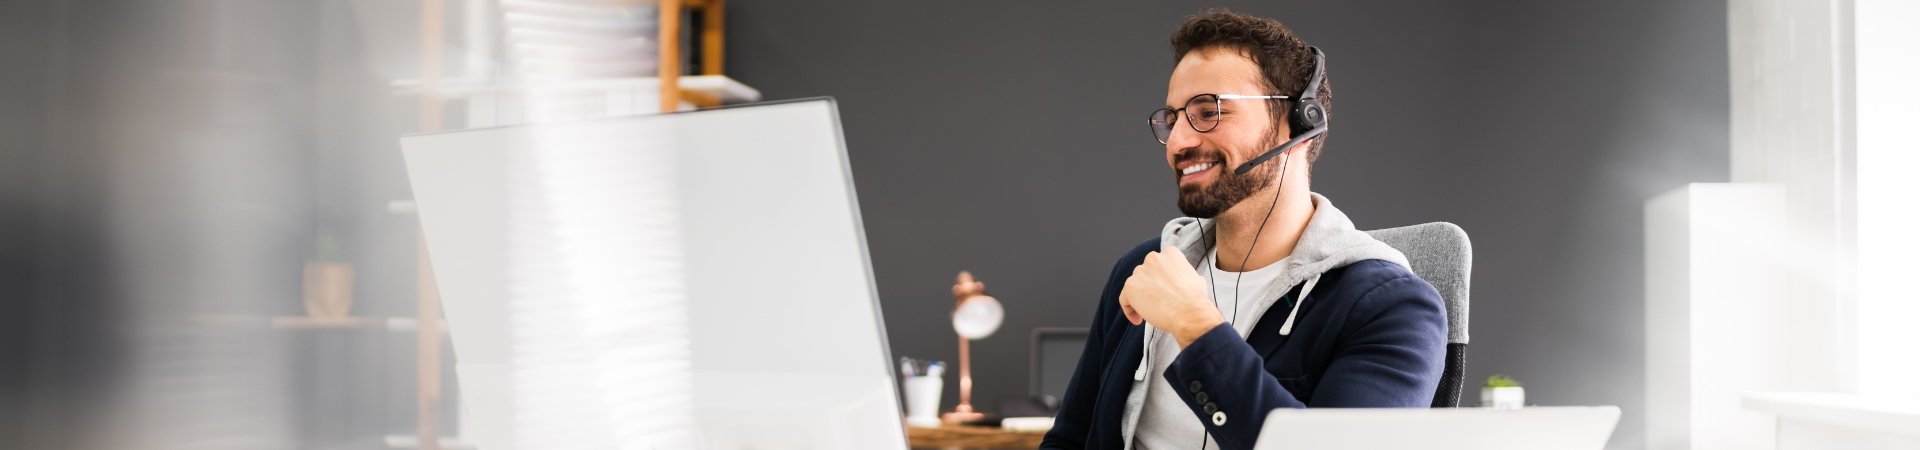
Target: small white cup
<point>923,401</point>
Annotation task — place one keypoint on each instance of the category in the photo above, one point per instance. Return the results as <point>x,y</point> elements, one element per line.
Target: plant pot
<point>328,289</point>
<point>1503,397</point>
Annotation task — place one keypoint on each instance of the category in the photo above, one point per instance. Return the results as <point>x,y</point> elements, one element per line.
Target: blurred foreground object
<point>592,288</point>
<point>327,285</point>
<point>327,289</point>
<point>537,61</point>
<point>975,316</point>
<point>1794,276</point>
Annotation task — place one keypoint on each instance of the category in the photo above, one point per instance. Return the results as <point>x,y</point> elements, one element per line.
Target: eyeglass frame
<point>1182,111</point>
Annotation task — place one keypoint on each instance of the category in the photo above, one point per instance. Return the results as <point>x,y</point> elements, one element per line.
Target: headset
<point>1308,118</point>
<point>1309,115</point>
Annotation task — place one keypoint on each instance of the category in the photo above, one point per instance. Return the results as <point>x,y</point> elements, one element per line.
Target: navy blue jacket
<point>1370,335</point>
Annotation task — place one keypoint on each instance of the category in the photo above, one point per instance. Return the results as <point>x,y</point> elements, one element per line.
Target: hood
<point>1329,242</point>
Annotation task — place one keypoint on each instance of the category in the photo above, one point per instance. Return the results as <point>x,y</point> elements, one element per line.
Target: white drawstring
<point>1287,328</point>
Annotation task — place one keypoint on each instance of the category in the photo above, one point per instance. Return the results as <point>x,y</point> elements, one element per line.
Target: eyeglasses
<point>1202,111</point>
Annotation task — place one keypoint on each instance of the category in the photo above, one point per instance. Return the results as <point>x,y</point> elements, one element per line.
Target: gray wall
<point>1008,140</point>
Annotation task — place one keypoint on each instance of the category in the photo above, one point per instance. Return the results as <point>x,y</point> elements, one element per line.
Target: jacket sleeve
<point>1075,418</point>
<point>1073,423</point>
<point>1391,359</point>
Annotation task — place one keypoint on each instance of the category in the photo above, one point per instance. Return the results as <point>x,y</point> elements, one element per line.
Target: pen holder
<point>923,401</point>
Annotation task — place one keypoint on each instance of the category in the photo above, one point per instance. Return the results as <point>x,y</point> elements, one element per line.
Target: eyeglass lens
<point>1202,113</point>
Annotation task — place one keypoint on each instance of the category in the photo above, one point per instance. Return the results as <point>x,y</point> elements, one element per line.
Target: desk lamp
<point>975,316</point>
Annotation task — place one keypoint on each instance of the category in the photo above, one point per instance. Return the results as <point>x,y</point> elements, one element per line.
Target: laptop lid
<point>1537,428</point>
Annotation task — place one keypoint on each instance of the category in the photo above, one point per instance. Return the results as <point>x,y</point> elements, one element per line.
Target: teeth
<point>1196,168</point>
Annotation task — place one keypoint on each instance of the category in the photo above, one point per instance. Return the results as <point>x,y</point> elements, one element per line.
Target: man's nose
<point>1182,138</point>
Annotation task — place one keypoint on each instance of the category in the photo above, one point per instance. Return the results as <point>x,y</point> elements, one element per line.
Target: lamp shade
<point>978,317</point>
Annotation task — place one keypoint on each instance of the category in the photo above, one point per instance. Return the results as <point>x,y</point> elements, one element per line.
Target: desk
<point>962,436</point>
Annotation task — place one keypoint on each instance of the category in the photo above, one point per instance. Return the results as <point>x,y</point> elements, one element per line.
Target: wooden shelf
<point>398,442</point>
<point>310,323</point>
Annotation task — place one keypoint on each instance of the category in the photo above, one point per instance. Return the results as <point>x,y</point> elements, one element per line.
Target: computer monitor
<point>1055,354</point>
<point>687,280</point>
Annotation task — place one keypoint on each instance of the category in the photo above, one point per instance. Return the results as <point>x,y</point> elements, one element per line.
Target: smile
<point>1190,170</point>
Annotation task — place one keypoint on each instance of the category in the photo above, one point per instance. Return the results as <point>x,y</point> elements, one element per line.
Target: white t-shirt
<point>1166,423</point>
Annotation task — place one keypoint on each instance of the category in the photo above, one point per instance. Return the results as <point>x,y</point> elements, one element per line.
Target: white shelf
<point>1898,414</point>
<point>726,89</point>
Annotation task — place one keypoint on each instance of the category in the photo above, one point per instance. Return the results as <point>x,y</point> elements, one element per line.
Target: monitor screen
<point>1056,353</point>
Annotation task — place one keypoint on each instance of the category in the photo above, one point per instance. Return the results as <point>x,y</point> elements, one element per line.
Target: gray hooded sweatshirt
<point>1329,242</point>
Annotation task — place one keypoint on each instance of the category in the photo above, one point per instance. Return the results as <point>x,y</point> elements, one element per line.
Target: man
<point>1266,296</point>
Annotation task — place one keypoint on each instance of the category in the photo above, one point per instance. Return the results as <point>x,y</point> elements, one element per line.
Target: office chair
<point>1441,254</point>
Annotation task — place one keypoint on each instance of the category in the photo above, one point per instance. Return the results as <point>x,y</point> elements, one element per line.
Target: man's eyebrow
<point>1183,102</point>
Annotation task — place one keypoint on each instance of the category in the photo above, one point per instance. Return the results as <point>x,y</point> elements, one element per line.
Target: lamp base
<point>960,417</point>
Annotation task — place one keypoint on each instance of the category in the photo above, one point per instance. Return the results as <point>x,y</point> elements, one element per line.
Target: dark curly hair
<point>1285,61</point>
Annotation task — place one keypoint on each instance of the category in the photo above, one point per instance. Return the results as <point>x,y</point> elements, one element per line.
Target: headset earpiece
<point>1306,120</point>
<point>1307,113</point>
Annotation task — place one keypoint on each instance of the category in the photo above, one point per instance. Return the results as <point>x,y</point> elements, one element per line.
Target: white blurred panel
<point>1715,322</point>
<point>1888,54</point>
<point>779,280</point>
<point>592,246</point>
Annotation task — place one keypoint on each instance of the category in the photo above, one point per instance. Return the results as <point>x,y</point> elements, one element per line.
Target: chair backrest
<point>1441,254</point>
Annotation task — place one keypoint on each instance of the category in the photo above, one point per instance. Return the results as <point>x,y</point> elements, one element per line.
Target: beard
<point>1227,189</point>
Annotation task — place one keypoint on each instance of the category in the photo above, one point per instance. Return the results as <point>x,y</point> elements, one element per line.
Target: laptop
<point>1537,428</point>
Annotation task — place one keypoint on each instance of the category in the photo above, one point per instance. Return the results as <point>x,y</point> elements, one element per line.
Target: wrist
<point>1198,324</point>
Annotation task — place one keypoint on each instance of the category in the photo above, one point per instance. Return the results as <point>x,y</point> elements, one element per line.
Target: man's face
<point>1203,163</point>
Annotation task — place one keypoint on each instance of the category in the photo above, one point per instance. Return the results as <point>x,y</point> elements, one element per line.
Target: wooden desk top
<point>961,436</point>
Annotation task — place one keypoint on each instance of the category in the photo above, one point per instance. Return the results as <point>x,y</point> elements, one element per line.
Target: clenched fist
<point>1166,292</point>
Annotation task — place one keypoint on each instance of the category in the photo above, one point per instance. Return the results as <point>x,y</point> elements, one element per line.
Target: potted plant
<point>1502,392</point>
<point>327,288</point>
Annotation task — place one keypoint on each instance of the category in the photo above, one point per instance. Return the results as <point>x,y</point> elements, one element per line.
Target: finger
<point>1126,308</point>
<point>1176,259</point>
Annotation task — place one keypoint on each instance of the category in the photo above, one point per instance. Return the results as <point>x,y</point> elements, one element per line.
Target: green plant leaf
<point>1500,381</point>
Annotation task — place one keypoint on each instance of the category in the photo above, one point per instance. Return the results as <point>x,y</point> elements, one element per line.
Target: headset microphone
<point>1277,151</point>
